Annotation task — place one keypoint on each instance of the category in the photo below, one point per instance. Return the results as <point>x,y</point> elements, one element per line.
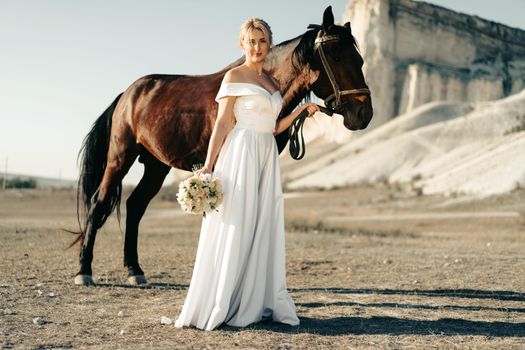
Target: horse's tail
<point>93,158</point>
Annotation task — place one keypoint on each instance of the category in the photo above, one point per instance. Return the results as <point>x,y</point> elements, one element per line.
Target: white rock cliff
<point>417,53</point>
<point>444,120</point>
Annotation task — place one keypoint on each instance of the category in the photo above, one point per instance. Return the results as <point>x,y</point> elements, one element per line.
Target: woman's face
<point>256,46</point>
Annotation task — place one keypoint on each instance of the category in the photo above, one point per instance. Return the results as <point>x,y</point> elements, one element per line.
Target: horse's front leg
<point>154,174</point>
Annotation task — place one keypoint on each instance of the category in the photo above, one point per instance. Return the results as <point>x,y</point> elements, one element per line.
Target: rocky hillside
<point>472,148</point>
<point>416,53</point>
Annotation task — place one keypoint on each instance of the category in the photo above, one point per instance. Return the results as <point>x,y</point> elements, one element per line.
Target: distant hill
<point>442,147</point>
<point>41,182</point>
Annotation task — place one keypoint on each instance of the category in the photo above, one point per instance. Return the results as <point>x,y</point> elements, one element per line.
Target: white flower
<point>206,177</point>
<point>200,194</point>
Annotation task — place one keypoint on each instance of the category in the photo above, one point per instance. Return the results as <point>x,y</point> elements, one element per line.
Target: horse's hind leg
<point>154,174</point>
<point>119,161</point>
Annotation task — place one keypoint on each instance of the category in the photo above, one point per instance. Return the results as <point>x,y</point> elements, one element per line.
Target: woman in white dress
<point>239,276</point>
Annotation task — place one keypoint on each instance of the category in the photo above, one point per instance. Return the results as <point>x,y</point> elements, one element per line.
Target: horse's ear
<point>347,26</point>
<point>328,19</point>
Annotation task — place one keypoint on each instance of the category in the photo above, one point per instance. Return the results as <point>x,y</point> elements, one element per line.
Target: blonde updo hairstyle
<point>254,23</point>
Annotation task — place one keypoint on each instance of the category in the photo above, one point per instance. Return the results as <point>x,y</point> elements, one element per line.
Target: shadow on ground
<point>414,306</point>
<point>155,285</point>
<point>393,326</point>
<point>448,293</point>
<point>386,325</point>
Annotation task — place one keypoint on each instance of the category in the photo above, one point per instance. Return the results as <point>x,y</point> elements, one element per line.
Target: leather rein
<point>333,102</point>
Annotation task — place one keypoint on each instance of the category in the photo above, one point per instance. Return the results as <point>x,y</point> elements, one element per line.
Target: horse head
<point>337,63</point>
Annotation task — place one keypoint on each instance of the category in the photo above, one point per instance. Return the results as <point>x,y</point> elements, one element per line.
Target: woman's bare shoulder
<point>234,75</point>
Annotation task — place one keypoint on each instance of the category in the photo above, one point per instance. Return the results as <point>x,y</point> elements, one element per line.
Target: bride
<point>239,276</point>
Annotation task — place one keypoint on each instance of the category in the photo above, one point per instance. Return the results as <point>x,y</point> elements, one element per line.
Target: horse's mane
<point>304,51</point>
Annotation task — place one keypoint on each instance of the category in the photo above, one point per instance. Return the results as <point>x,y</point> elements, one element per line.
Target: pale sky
<point>62,62</point>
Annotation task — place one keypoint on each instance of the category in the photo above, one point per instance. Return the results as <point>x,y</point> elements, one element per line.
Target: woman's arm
<point>283,123</point>
<point>223,125</point>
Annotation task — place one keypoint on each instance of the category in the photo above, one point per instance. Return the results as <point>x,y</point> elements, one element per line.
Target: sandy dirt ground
<point>368,267</point>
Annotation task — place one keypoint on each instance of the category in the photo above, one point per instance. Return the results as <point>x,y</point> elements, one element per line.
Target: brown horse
<point>167,120</point>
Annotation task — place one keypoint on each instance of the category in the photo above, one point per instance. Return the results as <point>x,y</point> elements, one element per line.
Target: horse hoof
<point>84,280</point>
<point>137,279</point>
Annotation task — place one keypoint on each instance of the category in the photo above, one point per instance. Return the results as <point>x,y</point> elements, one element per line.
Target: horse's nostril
<point>361,113</point>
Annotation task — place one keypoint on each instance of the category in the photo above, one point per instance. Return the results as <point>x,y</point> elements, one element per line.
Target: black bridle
<point>333,102</point>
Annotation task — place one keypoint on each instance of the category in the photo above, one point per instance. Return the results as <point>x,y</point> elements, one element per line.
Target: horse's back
<point>172,116</point>
<point>172,91</point>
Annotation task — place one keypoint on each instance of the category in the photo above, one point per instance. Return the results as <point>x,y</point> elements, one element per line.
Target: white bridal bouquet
<point>200,194</point>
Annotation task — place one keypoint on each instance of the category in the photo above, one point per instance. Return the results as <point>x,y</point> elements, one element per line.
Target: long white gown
<point>239,276</point>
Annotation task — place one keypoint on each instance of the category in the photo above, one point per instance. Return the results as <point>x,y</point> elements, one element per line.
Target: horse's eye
<point>337,58</point>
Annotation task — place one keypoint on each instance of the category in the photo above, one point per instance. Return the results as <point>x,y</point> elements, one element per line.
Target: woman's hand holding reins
<point>311,107</point>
